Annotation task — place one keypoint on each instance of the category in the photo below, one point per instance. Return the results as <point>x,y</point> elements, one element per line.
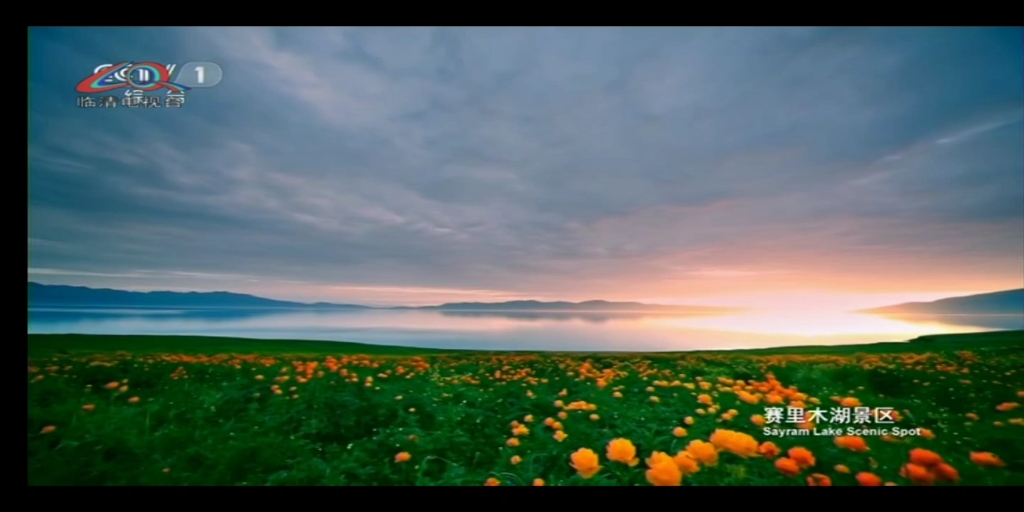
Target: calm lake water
<point>516,331</point>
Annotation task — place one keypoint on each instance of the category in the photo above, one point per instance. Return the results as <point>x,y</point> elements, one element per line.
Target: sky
<point>847,167</point>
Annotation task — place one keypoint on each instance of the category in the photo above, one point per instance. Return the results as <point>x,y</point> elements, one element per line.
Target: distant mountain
<point>590,305</point>
<point>60,295</point>
<point>1009,302</point>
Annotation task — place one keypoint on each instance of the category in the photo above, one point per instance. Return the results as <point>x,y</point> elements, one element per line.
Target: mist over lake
<point>516,330</point>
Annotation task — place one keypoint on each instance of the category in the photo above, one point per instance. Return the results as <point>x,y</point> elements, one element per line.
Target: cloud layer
<point>406,165</point>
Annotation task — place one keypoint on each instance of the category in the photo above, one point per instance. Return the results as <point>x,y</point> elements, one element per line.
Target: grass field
<point>147,410</point>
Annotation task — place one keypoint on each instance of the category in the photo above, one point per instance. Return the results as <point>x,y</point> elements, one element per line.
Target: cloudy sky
<point>413,166</point>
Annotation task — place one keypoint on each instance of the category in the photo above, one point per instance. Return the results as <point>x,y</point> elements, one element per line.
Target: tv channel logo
<point>150,76</point>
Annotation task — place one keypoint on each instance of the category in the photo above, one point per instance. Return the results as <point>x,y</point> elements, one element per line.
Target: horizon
<point>386,306</point>
<point>798,169</point>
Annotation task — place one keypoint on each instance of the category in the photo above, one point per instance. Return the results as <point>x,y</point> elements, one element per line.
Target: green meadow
<point>166,410</point>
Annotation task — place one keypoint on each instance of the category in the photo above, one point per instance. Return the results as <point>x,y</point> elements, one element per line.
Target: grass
<point>222,411</point>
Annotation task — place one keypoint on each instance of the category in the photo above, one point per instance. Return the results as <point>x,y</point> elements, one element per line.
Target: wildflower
<point>734,442</point>
<point>492,482</point>
<point>560,436</point>
<point>758,420</point>
<point>133,400</point>
<point>819,480</point>
<point>839,468</point>
<point>88,407</point>
<point>402,457</point>
<point>520,430</point>
<point>868,479</point>
<point>679,432</point>
<point>512,442</point>
<point>986,459</point>
<point>688,420</point>
<point>585,462</point>
<point>537,482</point>
<point>769,449</point>
<point>622,450</point>
<point>706,453</point>
<point>947,473</point>
<point>787,466</point>
<point>515,459</point>
<point>919,475</point>
<point>686,463</point>
<point>924,458</point>
<point>852,443</point>
<point>802,456</point>
<point>47,429</point>
<point>594,417</point>
<point>663,470</point>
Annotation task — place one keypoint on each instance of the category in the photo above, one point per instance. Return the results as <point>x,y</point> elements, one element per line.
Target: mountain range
<point>1008,302</point>
<point>42,295</point>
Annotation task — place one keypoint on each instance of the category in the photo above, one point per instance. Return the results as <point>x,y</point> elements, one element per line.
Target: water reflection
<point>568,331</point>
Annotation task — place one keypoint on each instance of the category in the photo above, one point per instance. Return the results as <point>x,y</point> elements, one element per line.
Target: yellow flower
<point>663,470</point>
<point>585,462</point>
<point>622,450</point>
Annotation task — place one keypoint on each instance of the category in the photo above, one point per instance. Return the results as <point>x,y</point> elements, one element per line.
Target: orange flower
<point>520,430</point>
<point>585,462</point>
<point>925,458</point>
<point>758,420</point>
<point>819,480</point>
<point>734,442</point>
<point>537,482</point>
<point>1007,406</point>
<point>133,400</point>
<point>802,456</point>
<point>787,466</point>
<point>622,450</point>
<point>919,475</point>
<point>679,432</point>
<point>947,473</point>
<point>769,450</point>
<point>850,402</point>
<point>112,385</point>
<point>47,429</point>
<point>492,482</point>
<point>705,453</point>
<point>688,420</point>
<point>853,443</point>
<point>986,459</point>
<point>560,436</point>
<point>512,442</point>
<point>402,457</point>
<point>868,479</point>
<point>686,463</point>
<point>515,459</point>
<point>663,470</point>
<point>88,407</point>
<point>839,468</point>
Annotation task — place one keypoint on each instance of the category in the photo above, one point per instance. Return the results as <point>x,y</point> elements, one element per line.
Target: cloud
<point>567,162</point>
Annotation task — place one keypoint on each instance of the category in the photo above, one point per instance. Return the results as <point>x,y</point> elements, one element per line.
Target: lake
<point>516,330</point>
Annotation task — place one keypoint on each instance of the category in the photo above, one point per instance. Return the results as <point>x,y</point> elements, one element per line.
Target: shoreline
<point>40,344</point>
